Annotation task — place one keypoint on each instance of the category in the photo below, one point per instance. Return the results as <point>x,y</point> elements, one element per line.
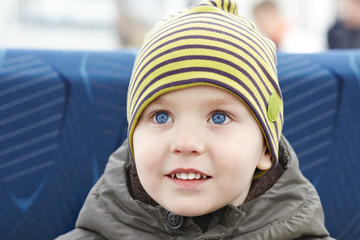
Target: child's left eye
<point>219,118</point>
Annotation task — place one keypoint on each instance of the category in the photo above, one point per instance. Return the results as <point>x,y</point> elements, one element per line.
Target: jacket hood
<point>290,209</point>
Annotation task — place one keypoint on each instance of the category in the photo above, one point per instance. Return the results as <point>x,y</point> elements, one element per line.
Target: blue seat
<point>62,113</point>
<point>322,115</point>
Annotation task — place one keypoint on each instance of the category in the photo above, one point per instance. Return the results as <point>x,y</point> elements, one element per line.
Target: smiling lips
<point>187,174</point>
<point>188,178</point>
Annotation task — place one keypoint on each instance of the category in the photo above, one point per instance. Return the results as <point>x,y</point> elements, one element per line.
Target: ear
<point>265,160</point>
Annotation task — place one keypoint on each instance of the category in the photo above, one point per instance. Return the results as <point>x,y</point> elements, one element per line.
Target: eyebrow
<point>213,101</point>
<point>224,100</point>
<point>220,101</point>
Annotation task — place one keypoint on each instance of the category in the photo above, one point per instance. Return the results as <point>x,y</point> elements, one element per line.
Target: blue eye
<point>162,118</point>
<point>219,118</point>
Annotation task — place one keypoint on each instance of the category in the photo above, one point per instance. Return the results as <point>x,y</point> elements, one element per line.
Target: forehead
<point>196,94</point>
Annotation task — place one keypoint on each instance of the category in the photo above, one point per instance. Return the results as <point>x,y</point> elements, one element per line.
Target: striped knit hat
<point>209,44</point>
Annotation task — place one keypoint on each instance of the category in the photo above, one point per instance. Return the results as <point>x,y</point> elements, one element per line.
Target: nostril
<point>188,148</point>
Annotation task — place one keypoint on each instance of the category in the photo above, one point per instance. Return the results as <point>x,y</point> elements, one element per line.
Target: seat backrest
<point>62,113</point>
<point>322,115</point>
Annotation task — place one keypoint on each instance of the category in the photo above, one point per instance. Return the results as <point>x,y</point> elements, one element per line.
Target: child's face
<point>196,150</point>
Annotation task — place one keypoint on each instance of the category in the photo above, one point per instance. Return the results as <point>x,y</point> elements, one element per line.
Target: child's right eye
<point>162,118</point>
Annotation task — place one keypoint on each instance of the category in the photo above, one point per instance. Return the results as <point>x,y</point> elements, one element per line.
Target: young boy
<point>205,158</point>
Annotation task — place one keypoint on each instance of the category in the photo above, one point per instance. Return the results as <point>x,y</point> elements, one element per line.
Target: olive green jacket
<point>290,209</point>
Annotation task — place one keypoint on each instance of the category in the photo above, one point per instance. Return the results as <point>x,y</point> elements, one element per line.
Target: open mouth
<point>189,176</point>
<point>188,179</point>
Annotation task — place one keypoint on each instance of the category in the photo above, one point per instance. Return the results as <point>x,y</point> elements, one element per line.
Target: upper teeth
<point>188,176</point>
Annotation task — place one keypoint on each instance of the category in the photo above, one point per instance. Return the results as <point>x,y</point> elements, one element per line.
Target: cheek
<point>240,160</point>
<point>239,168</point>
<point>144,160</point>
<point>140,148</point>
<point>236,179</point>
<point>146,151</point>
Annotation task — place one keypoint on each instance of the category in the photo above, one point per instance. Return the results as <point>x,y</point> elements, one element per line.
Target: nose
<point>187,144</point>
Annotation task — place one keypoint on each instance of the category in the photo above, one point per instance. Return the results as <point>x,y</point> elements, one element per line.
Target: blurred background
<point>295,26</point>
